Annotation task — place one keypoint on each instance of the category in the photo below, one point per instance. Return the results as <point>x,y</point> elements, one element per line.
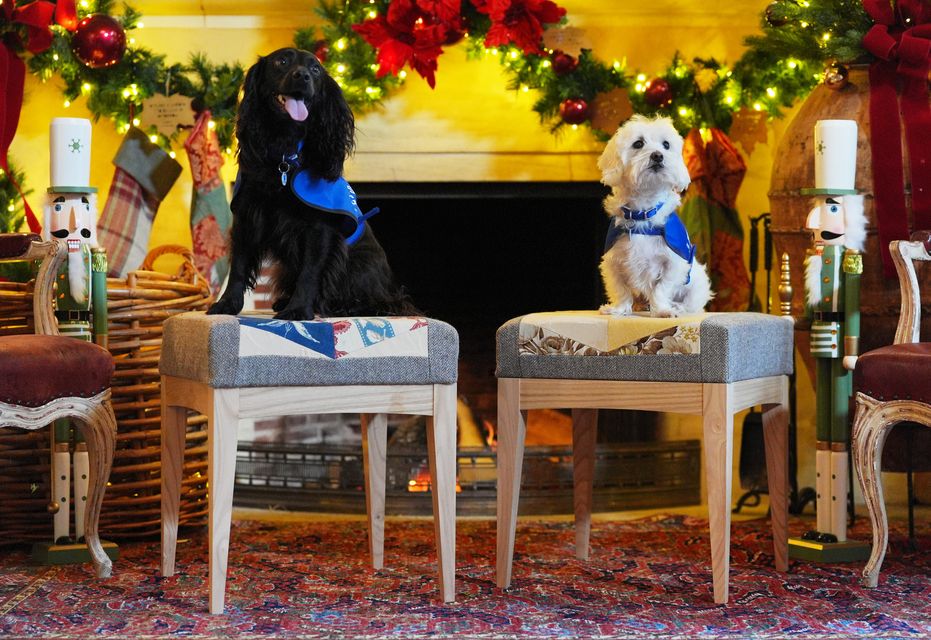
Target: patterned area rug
<point>647,578</point>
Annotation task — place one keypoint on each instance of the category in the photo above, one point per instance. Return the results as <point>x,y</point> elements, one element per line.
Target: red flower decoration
<point>412,33</point>
<point>519,21</point>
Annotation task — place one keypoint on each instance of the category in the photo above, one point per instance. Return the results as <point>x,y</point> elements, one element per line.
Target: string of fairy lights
<point>798,47</point>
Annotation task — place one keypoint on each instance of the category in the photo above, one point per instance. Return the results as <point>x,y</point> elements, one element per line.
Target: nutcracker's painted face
<point>838,220</point>
<point>827,221</point>
<point>72,216</point>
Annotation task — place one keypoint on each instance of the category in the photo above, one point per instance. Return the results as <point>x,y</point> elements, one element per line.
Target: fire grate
<point>329,478</point>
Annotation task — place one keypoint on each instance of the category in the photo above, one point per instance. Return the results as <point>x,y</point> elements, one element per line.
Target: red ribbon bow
<point>901,42</point>
<point>37,18</point>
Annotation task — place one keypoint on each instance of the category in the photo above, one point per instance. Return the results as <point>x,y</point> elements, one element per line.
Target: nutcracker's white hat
<point>70,156</point>
<point>835,158</point>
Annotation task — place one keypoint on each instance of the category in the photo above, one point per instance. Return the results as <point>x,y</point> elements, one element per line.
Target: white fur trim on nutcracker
<point>855,220</point>
<point>77,274</point>
<point>813,279</point>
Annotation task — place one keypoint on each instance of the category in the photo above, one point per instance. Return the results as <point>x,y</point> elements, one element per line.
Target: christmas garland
<point>368,45</point>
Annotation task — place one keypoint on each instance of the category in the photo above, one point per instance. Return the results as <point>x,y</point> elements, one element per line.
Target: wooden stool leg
<point>584,432</point>
<point>441,445</point>
<point>718,428</point>
<point>375,468</point>
<point>776,441</point>
<point>222,426</point>
<point>174,429</point>
<point>512,430</point>
<point>99,432</point>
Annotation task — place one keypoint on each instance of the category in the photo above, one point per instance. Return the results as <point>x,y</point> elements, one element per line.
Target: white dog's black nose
<point>656,157</point>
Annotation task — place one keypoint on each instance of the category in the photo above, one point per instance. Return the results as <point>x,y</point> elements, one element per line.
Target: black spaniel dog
<point>295,130</point>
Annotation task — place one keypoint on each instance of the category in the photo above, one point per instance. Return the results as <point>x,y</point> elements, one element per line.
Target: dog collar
<point>641,214</point>
<point>673,232</point>
<point>289,162</point>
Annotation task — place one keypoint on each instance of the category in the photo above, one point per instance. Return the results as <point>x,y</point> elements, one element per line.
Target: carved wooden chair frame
<point>93,416</point>
<point>875,418</point>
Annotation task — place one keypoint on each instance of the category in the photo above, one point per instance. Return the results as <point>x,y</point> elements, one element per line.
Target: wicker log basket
<point>137,307</point>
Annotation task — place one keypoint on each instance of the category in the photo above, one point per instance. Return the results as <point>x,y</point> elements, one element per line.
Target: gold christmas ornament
<point>835,77</point>
<point>610,109</point>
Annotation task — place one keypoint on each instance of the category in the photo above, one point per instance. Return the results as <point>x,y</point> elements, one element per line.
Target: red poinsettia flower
<point>413,33</point>
<point>446,11</point>
<point>518,21</point>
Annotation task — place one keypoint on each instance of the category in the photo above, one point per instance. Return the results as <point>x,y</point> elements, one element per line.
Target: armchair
<point>47,376</point>
<point>892,385</point>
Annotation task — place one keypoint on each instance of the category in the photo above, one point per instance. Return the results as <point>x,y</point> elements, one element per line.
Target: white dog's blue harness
<point>334,196</point>
<point>673,232</point>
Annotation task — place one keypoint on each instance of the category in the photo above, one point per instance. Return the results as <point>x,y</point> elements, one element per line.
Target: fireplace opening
<point>476,255</point>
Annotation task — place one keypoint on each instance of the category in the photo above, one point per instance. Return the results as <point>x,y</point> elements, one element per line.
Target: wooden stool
<point>712,365</point>
<point>231,367</point>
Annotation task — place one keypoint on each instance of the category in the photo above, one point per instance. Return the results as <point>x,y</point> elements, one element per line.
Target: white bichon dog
<point>648,254</point>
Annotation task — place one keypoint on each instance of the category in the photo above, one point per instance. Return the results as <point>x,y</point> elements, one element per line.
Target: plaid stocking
<point>144,174</point>
<point>210,210</point>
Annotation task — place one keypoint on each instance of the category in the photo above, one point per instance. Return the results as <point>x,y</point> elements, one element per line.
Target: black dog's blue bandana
<point>334,196</point>
<point>673,232</point>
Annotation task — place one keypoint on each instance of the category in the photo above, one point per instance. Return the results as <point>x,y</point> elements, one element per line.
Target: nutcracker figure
<point>81,310</point>
<point>832,288</point>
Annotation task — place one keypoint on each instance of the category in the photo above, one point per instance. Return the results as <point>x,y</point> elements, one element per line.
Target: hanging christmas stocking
<point>144,174</point>
<point>710,215</point>
<point>210,210</point>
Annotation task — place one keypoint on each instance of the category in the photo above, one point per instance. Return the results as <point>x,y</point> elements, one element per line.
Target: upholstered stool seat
<point>240,351</point>
<point>232,367</point>
<point>712,365</point>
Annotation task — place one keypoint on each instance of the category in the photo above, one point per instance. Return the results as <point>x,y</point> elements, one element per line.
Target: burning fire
<point>420,481</point>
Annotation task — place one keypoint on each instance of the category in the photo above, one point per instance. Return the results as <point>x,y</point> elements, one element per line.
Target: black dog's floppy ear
<point>331,131</point>
<point>250,111</point>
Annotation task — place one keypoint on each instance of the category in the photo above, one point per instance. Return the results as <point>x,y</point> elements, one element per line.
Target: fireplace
<point>475,255</point>
<point>478,254</point>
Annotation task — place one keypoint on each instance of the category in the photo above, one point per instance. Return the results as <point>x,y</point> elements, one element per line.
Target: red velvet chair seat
<point>895,372</point>
<point>16,244</point>
<point>35,370</point>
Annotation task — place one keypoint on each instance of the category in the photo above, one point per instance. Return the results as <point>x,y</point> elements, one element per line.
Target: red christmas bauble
<point>321,50</point>
<point>99,41</point>
<point>774,17</point>
<point>563,63</point>
<point>574,111</point>
<point>658,93</point>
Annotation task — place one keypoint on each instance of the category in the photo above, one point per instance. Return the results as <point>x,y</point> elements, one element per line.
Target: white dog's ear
<point>682,178</point>
<point>609,164</point>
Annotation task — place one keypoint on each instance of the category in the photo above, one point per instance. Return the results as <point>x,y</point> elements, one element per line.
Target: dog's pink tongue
<point>296,109</point>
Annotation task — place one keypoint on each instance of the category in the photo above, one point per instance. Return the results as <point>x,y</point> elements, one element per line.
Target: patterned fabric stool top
<point>259,351</point>
<point>588,345</point>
